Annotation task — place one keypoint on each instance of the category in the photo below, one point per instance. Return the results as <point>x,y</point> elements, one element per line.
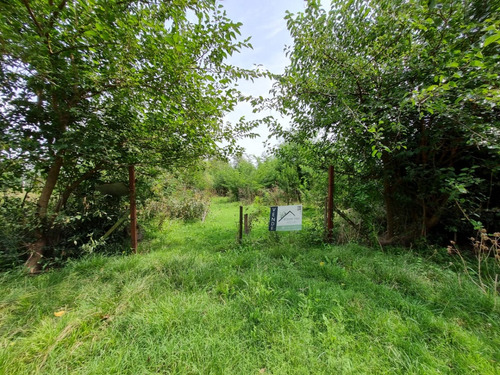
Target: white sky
<point>263,20</point>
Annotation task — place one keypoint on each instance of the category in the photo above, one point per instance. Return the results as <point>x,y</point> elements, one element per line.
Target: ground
<point>194,301</point>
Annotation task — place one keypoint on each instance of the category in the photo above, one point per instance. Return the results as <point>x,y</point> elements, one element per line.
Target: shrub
<point>185,205</point>
<point>188,205</point>
<point>16,230</point>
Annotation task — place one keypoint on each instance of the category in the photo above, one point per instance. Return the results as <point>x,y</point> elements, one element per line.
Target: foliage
<point>240,180</point>
<point>284,177</point>
<point>79,226</point>
<point>184,204</point>
<point>189,207</point>
<point>290,176</point>
<point>194,301</point>
<point>89,86</point>
<point>183,194</point>
<point>403,97</point>
<point>16,231</point>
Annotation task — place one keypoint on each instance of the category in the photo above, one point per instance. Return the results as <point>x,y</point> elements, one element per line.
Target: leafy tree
<point>90,85</point>
<point>291,160</point>
<point>404,94</point>
<point>240,180</point>
<point>267,171</point>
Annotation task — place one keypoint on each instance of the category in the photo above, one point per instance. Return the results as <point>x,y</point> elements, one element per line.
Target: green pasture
<point>194,301</point>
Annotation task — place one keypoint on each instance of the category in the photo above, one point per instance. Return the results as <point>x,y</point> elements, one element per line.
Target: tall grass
<point>196,302</point>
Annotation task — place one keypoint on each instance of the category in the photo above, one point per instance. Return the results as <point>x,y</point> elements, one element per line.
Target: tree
<point>403,93</point>
<point>89,85</point>
<point>240,180</point>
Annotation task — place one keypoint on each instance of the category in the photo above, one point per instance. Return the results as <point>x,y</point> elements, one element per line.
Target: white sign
<point>285,218</point>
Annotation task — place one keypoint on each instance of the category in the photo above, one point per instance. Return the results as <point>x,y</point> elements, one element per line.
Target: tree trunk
<point>389,209</point>
<point>388,180</point>
<point>38,247</point>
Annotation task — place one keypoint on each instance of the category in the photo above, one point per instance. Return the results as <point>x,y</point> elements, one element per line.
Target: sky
<point>263,21</point>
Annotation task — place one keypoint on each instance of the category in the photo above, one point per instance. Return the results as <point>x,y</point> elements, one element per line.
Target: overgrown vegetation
<point>403,97</point>
<point>91,87</point>
<point>485,268</point>
<point>196,302</point>
<point>400,97</point>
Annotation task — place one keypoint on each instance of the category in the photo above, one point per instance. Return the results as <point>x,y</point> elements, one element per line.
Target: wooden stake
<point>133,208</point>
<point>240,232</point>
<point>329,212</point>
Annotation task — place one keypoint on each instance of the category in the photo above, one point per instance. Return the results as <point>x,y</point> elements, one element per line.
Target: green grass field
<point>196,302</point>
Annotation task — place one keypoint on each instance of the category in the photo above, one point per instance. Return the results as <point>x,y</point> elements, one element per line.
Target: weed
<point>485,273</point>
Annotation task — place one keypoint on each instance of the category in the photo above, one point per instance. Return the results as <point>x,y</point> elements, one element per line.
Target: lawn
<point>196,302</point>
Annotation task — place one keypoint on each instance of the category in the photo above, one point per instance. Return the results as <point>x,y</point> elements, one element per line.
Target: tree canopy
<point>89,85</point>
<point>406,94</point>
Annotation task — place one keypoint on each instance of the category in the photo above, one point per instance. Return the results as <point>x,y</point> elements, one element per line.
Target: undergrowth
<point>196,302</point>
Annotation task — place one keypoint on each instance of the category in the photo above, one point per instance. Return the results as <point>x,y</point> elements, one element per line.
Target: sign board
<point>285,218</point>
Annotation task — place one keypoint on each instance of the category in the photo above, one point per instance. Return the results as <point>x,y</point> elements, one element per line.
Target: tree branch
<point>55,14</point>
<point>33,18</point>
<point>70,188</point>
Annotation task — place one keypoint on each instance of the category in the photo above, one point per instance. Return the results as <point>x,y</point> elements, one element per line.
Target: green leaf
<point>477,224</point>
<point>90,33</point>
<point>477,63</point>
<point>491,39</point>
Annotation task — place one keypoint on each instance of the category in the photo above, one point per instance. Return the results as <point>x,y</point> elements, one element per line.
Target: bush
<point>184,204</point>
<point>274,197</point>
<point>188,205</point>
<point>16,230</point>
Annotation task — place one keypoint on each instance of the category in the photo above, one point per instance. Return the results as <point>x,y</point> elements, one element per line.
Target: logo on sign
<point>285,218</point>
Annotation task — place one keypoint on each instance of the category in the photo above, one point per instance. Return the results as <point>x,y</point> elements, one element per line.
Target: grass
<point>195,302</point>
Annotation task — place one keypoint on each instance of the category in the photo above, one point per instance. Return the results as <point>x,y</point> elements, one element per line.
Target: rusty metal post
<point>133,208</point>
<point>329,212</point>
